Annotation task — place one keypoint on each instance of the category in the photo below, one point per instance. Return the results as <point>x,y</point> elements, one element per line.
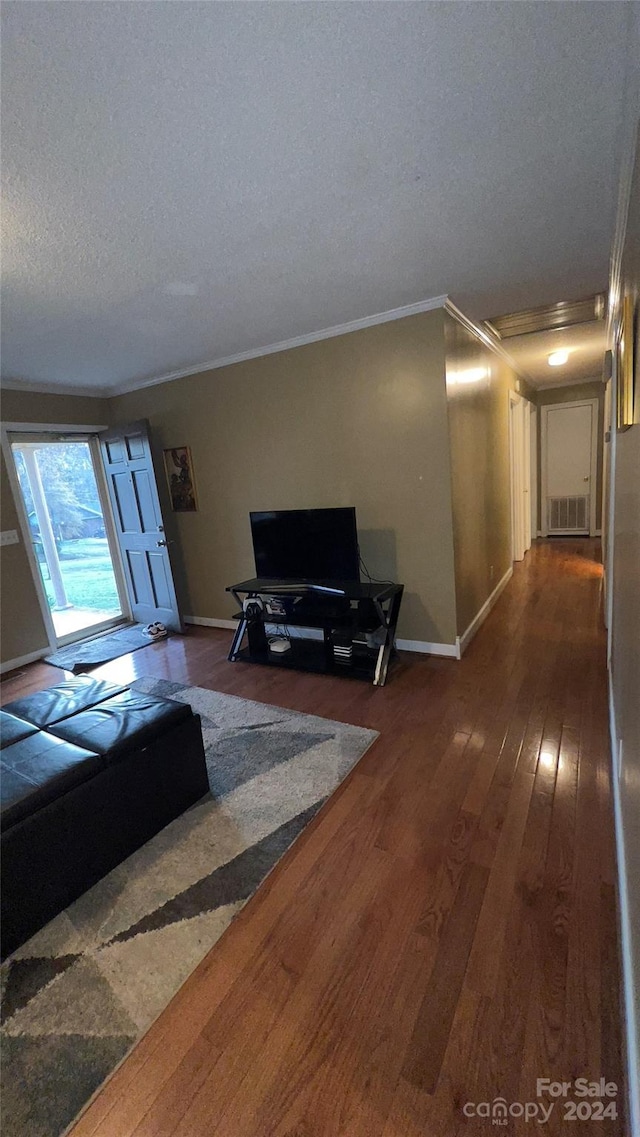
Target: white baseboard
<point>631,1025</point>
<point>421,646</point>
<point>450,651</point>
<point>208,622</point>
<point>23,660</point>
<point>464,640</point>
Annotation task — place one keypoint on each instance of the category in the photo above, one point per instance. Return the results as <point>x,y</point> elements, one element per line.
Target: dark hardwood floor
<point>444,931</point>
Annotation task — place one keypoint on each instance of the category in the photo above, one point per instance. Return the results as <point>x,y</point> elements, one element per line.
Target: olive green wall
<point>77,410</point>
<point>480,467</point>
<point>573,394</point>
<point>359,419</point>
<point>362,419</point>
<point>20,618</point>
<point>22,630</point>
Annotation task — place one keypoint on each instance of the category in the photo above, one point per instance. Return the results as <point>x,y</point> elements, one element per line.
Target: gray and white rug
<point>79,994</point>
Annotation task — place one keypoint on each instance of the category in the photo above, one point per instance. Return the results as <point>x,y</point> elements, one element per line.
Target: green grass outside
<point>87,574</point>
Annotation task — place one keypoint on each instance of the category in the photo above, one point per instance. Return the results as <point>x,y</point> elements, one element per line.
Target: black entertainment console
<point>358,622</point>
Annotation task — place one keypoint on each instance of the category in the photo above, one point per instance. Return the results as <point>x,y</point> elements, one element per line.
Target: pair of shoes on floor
<point>155,631</point>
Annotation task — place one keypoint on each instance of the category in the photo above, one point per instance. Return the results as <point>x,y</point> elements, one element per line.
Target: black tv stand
<point>358,624</point>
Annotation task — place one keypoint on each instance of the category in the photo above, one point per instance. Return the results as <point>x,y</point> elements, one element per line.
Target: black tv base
<point>358,624</point>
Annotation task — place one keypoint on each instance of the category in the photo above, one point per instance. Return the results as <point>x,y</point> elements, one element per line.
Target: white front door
<point>139,525</point>
<point>569,439</point>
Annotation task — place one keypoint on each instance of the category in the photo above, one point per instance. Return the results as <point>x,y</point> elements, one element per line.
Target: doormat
<point>91,653</point>
<point>78,995</point>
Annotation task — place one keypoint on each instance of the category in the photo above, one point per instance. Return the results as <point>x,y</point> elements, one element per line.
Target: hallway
<point>445,931</point>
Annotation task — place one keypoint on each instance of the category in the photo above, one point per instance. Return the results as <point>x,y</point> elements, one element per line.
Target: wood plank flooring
<point>444,931</point>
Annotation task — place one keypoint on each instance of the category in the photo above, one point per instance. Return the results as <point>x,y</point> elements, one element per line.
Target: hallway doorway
<point>520,472</point>
<point>569,446</point>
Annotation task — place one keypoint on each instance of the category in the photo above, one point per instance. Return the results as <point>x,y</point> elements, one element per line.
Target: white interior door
<point>526,476</point>
<point>139,525</point>
<point>533,469</point>
<point>569,454</point>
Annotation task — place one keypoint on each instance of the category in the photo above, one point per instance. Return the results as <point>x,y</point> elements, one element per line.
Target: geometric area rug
<point>81,992</point>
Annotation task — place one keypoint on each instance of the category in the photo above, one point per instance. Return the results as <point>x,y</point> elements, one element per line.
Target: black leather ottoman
<point>89,773</point>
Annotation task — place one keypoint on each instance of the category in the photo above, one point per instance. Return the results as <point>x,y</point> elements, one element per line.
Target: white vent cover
<point>569,514</point>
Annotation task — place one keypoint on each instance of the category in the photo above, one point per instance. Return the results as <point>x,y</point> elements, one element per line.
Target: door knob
<point>162,544</point>
<point>585,479</point>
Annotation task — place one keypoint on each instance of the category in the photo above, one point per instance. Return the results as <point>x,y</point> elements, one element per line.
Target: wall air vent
<point>568,515</point>
<point>552,316</point>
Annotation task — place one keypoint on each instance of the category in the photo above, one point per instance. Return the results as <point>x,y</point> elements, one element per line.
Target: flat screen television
<point>306,544</point>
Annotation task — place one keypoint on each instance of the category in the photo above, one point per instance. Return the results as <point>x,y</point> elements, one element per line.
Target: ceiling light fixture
<point>557,358</point>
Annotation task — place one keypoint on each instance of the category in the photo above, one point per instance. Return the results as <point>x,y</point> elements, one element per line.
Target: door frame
<point>7,430</point>
<point>532,427</point>
<point>519,475</point>
<point>593,472</point>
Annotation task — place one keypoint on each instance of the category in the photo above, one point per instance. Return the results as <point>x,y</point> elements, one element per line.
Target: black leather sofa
<point>89,772</point>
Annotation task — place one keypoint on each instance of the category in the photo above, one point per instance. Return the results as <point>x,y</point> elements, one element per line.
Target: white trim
<point>532,427</point>
<point>519,474</point>
<point>427,305</point>
<point>487,339</point>
<point>421,646</point>
<point>631,1025</point>
<point>545,408</point>
<point>611,513</point>
<point>464,640</point>
<point>207,622</point>
<point>22,660</point>
<point>7,429</point>
<point>55,389</point>
<point>110,528</point>
<point>449,651</point>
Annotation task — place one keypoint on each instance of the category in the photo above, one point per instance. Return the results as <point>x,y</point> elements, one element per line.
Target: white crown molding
<point>426,305</point>
<point>487,339</point>
<point>54,389</point>
<point>285,345</point>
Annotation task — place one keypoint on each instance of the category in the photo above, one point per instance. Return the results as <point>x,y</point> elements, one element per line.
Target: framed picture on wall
<point>628,364</point>
<point>182,487</point>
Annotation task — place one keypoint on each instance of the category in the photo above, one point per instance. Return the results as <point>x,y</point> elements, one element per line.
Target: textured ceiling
<point>186,181</point>
<point>584,342</point>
